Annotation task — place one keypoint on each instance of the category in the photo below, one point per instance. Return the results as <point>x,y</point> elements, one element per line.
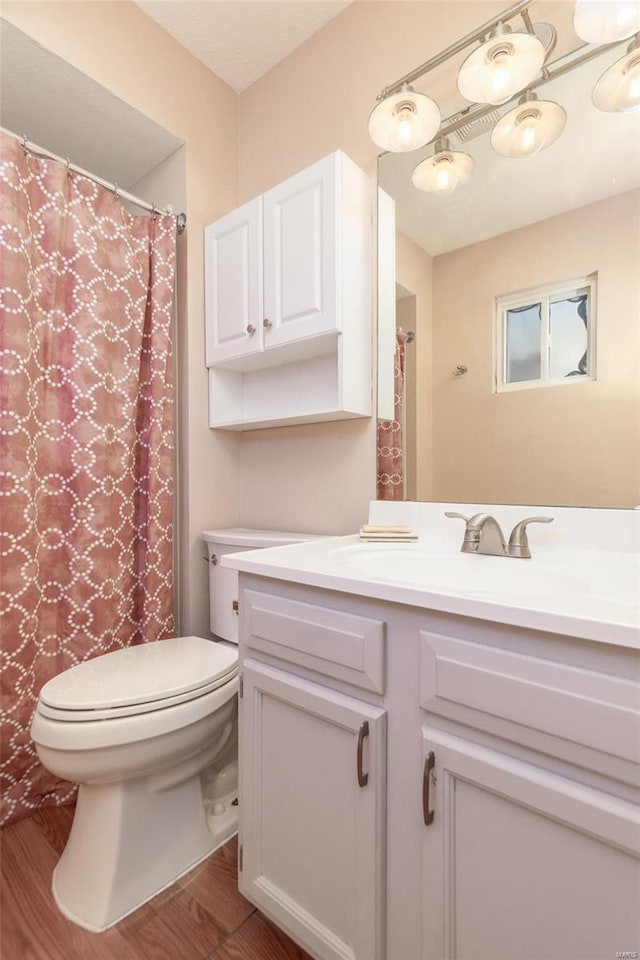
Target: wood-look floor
<point>200,917</point>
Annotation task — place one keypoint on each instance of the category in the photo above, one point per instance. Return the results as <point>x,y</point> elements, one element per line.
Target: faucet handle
<point>458,516</point>
<point>518,542</point>
<point>471,540</point>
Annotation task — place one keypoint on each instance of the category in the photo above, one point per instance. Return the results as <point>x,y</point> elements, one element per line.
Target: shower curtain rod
<point>181,218</point>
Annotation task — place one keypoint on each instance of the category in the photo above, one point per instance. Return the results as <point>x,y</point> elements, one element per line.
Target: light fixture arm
<point>635,44</point>
<point>441,145</point>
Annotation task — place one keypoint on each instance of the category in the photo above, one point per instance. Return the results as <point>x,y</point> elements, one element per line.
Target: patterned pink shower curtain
<point>87,441</point>
<point>390,455</point>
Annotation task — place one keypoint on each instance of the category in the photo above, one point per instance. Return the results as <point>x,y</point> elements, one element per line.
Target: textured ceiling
<point>240,40</point>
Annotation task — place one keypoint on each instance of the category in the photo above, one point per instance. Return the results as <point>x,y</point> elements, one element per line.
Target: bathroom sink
<point>478,575</point>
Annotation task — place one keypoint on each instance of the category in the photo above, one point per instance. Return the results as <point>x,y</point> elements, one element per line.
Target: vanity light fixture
<point>444,171</point>
<point>618,89</point>
<point>501,66</point>
<point>506,63</point>
<point>404,120</point>
<point>606,21</point>
<point>530,127</point>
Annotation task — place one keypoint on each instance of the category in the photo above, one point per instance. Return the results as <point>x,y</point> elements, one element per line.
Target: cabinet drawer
<point>579,705</point>
<point>329,642</point>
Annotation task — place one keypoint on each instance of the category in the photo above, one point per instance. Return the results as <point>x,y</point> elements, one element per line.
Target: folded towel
<point>387,534</point>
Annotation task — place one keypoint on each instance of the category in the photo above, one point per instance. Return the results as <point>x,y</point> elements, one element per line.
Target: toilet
<point>150,734</point>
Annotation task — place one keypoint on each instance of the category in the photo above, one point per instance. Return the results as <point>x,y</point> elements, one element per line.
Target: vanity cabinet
<point>312,798</point>
<point>505,812</point>
<point>312,771</point>
<point>519,861</point>
<point>288,301</point>
<point>533,844</point>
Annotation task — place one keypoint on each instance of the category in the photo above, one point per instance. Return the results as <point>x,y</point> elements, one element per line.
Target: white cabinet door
<point>519,862</point>
<point>233,284</point>
<point>300,238</point>
<point>312,798</point>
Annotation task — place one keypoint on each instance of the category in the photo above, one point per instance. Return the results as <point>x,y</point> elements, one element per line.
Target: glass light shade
<point>605,21</point>
<point>443,172</point>
<point>501,67</point>
<point>530,127</point>
<point>618,89</point>
<point>404,121</point>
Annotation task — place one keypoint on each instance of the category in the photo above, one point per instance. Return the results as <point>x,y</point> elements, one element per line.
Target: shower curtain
<point>390,455</point>
<point>86,441</point>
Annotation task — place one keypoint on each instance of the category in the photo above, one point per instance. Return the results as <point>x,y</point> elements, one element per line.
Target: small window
<point>546,336</point>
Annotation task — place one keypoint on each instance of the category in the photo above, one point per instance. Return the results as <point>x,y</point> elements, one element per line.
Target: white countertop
<point>591,594</point>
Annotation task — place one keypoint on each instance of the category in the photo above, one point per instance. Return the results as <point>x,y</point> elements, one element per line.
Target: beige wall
<point>573,444</point>
<point>414,271</point>
<point>316,101</point>
<point>125,51</point>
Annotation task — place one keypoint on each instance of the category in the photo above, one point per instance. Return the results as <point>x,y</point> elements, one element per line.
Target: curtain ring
<point>116,191</point>
<point>67,163</point>
<point>24,142</point>
<point>154,212</point>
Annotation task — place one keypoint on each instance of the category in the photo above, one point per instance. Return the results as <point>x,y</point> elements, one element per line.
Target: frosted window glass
<point>568,329</point>
<point>522,353</point>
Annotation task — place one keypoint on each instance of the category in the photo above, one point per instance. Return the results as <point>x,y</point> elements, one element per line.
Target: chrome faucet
<point>482,534</point>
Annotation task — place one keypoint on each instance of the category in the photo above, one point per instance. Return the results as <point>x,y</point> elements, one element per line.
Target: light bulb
<point>530,127</point>
<point>498,82</point>
<point>403,128</point>
<point>628,92</point>
<point>403,121</point>
<point>444,171</point>
<point>530,134</point>
<point>502,65</point>
<point>445,178</point>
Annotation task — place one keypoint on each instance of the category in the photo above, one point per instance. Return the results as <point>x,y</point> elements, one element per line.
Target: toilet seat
<point>137,680</point>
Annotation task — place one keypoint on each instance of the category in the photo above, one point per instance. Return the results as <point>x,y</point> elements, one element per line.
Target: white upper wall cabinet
<point>300,262</point>
<point>233,284</point>
<point>288,302</point>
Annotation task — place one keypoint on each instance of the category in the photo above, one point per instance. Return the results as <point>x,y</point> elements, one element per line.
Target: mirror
<point>518,229</point>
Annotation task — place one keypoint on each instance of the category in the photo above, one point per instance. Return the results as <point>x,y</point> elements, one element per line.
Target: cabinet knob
<point>267,324</point>
<point>250,329</point>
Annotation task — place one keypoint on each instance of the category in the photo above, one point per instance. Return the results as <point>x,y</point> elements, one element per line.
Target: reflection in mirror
<point>522,384</point>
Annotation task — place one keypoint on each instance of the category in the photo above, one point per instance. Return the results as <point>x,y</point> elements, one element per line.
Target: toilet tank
<point>223,582</point>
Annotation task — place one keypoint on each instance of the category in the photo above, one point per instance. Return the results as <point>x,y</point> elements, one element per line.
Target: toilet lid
<point>173,670</point>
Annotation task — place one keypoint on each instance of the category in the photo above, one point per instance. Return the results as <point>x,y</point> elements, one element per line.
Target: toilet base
<point>129,842</point>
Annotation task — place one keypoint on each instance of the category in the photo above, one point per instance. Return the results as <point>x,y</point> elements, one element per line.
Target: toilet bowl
<point>164,712</point>
<point>150,735</point>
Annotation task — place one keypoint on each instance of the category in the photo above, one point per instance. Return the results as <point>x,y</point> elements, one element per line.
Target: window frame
<point>543,294</point>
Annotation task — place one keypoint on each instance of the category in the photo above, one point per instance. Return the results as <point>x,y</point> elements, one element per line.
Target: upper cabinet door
<point>233,284</point>
<point>300,255</point>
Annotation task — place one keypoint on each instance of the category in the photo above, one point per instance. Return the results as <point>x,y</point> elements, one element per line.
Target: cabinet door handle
<point>267,324</point>
<point>250,329</point>
<point>363,778</point>
<point>429,764</point>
